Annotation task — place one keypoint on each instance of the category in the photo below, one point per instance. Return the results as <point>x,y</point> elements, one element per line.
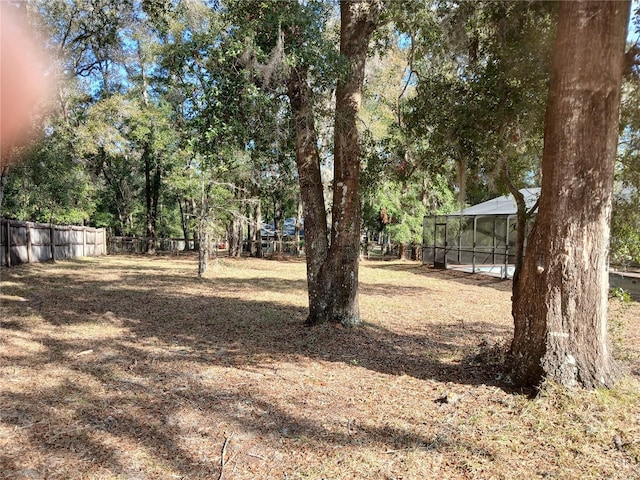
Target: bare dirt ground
<point>132,368</point>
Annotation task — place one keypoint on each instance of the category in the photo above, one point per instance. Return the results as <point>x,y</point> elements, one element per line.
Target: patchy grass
<point>132,368</point>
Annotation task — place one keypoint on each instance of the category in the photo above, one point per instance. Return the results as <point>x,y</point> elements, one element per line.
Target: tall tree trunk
<point>560,309</point>
<point>234,234</point>
<point>151,185</point>
<point>358,20</point>
<point>251,221</point>
<point>193,214</point>
<point>203,250</point>
<point>332,271</point>
<point>155,197</point>
<point>153,178</point>
<point>311,192</point>
<point>148,194</point>
<point>277,227</point>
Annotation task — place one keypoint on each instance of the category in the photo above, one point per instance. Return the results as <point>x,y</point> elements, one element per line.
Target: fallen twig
<point>222,454</point>
<point>387,452</point>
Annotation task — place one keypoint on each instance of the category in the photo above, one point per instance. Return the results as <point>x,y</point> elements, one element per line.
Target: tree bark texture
<point>358,20</point>
<point>311,192</point>
<point>332,268</point>
<point>560,310</point>
<point>234,236</point>
<point>195,234</point>
<point>203,251</point>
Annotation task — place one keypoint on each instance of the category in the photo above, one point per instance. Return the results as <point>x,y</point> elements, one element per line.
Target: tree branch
<point>534,208</point>
<point>631,60</point>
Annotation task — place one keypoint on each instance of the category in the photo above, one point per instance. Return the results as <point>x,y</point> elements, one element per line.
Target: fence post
<point>29,245</point>
<point>52,235</point>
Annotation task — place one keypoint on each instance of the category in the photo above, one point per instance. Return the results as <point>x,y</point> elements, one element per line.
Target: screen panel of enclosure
<point>473,243</point>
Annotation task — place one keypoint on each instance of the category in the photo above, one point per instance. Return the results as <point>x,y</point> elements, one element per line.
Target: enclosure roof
<point>505,205</point>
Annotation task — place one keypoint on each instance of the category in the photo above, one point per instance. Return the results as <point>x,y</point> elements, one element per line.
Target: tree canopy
<point>454,91</point>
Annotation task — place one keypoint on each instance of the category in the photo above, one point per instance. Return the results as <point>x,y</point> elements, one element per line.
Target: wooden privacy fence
<point>24,242</point>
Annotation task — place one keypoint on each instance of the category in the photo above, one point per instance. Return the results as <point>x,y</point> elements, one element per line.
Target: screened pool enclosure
<point>481,238</point>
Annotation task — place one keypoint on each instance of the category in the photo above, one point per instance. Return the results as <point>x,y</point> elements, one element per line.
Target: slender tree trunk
<point>522,217</point>
<point>560,311</point>
<point>121,223</point>
<point>4,176</point>
<point>155,197</point>
<point>203,251</point>
<point>231,237</point>
<point>298,227</point>
<point>251,221</point>
<point>193,213</point>
<point>203,232</point>
<point>365,251</point>
<point>152,184</point>
<point>258,230</point>
<point>311,193</point>
<point>277,227</point>
<point>150,232</point>
<point>184,223</point>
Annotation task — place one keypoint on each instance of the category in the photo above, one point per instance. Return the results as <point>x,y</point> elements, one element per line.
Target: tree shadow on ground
<point>266,329</point>
<point>142,380</point>
<point>149,417</point>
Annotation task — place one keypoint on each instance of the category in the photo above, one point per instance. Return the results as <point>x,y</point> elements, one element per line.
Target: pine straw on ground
<point>132,368</point>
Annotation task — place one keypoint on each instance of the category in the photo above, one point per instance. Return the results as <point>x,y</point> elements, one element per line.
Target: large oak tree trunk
<point>560,305</point>
<point>234,236</point>
<point>358,20</point>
